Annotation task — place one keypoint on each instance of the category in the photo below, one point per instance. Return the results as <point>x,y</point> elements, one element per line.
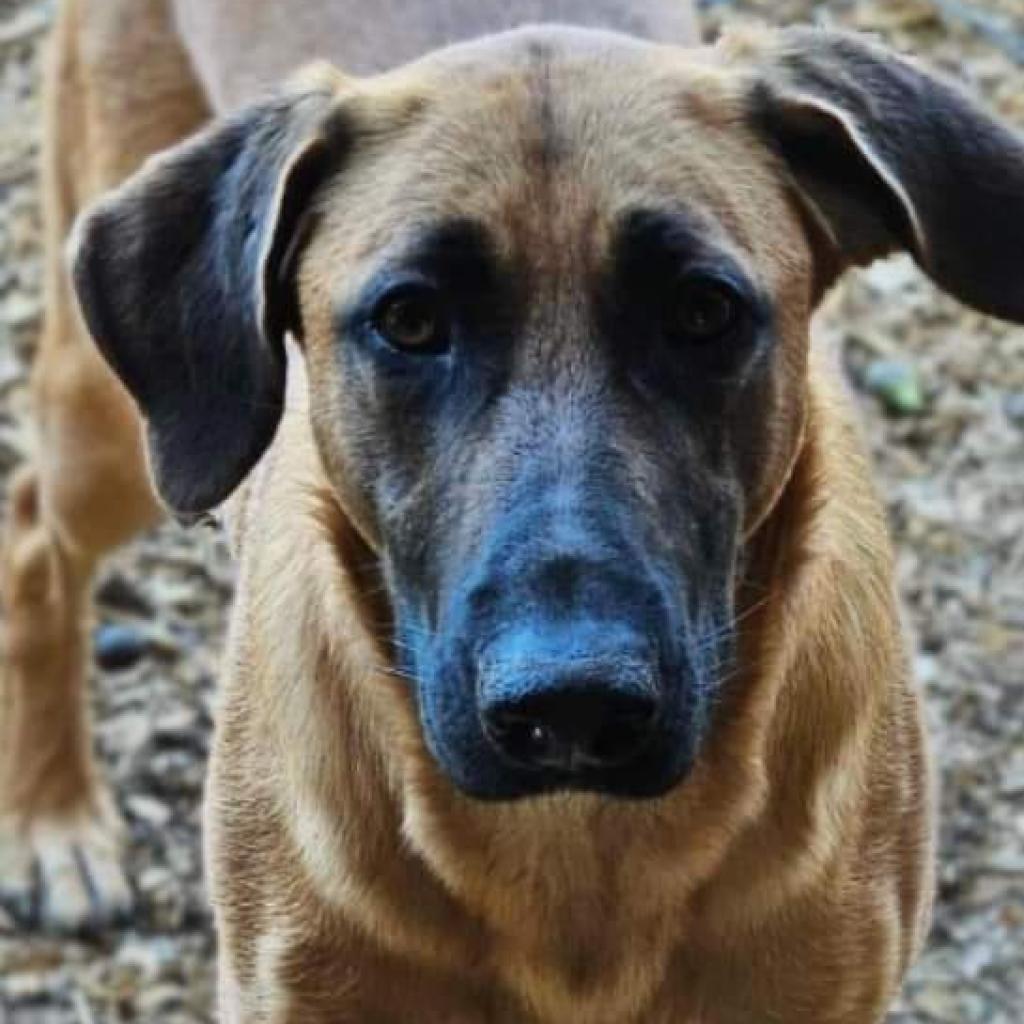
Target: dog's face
<point>553,290</point>
<point>559,379</point>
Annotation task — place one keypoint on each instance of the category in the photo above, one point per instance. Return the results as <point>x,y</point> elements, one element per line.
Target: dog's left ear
<point>887,156</point>
<point>185,277</point>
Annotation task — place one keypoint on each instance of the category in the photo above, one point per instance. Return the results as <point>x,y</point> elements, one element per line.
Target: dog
<point>565,680</point>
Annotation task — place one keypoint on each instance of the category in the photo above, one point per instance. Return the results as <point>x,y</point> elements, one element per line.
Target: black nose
<point>589,726</point>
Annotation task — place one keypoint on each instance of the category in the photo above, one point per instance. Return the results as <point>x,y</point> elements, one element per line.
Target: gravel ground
<point>942,391</point>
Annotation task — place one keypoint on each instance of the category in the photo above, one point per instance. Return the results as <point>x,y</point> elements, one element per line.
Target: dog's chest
<point>318,985</point>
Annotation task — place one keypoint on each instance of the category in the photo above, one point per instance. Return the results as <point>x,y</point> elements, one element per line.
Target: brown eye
<point>411,319</point>
<point>703,309</point>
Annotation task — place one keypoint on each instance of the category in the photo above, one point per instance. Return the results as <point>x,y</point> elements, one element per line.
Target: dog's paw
<point>65,876</point>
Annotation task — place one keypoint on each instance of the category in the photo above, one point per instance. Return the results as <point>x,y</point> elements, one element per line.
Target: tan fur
<point>351,882</point>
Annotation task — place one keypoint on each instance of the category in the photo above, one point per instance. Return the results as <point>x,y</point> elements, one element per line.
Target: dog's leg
<point>118,89</point>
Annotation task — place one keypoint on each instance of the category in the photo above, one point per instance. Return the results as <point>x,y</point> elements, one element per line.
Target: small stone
<point>31,986</point>
<point>149,810</point>
<point>158,1000</point>
<point>127,730</point>
<point>119,647</point>
<point>177,722</point>
<point>1013,406</point>
<point>896,385</point>
<point>892,276</point>
<point>20,311</point>
<point>163,644</point>
<point>120,594</point>
<point>151,957</point>
<point>23,26</point>
<point>938,1000</point>
<point>163,897</point>
<point>1005,862</point>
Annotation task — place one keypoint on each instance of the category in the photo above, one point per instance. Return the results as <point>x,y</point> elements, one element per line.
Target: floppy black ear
<point>889,157</point>
<point>183,277</point>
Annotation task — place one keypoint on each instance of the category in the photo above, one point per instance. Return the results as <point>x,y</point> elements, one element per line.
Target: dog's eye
<point>411,318</point>
<point>703,308</point>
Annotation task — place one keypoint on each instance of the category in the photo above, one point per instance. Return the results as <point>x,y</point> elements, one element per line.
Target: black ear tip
<point>185,493</point>
<point>196,468</point>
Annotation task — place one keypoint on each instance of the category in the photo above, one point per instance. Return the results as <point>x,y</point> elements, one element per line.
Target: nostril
<point>623,733</point>
<point>572,730</point>
<point>524,739</point>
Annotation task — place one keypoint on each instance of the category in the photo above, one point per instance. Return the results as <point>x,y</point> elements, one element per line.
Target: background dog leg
<point>59,835</point>
<point>55,817</point>
<point>87,490</point>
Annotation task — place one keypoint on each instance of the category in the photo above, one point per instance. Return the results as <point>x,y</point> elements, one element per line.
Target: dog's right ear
<point>887,156</point>
<point>185,278</point>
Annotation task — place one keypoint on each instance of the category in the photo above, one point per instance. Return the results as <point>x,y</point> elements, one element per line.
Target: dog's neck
<point>539,892</point>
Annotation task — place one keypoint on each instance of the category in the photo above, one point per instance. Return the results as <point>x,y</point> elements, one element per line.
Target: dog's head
<point>553,290</point>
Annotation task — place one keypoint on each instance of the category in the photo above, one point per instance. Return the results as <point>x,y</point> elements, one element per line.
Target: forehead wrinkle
<point>545,143</point>
<point>550,218</point>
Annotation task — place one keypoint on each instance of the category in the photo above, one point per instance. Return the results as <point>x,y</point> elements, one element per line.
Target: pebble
<point>148,809</point>
<point>1013,405</point>
<point>20,311</point>
<point>118,647</point>
<point>119,593</point>
<point>895,383</point>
